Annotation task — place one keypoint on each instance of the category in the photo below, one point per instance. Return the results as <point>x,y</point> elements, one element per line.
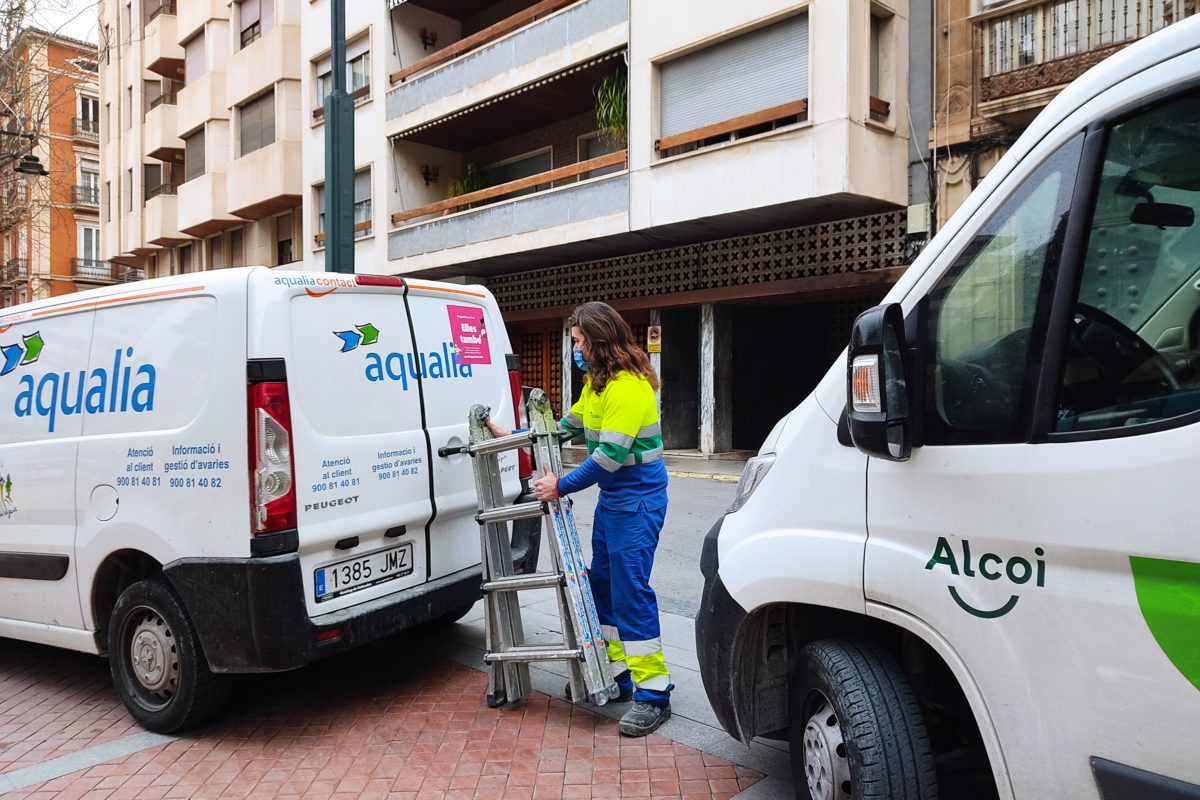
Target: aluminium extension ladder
<point>507,654</point>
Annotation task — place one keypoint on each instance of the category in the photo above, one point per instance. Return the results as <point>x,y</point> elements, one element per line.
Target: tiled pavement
<point>423,734</point>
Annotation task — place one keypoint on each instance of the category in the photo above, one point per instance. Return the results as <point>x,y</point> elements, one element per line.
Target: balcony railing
<point>1062,29</point>
<point>87,129</point>
<point>162,189</point>
<point>483,37</point>
<point>496,192</point>
<point>131,274</point>
<point>15,271</point>
<point>91,269</point>
<point>163,100</point>
<point>85,195</point>
<point>166,7</point>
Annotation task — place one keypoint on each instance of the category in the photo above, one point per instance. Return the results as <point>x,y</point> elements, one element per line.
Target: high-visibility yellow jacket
<point>624,440</point>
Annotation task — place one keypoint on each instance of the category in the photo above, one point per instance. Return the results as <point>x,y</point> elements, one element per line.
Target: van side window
<point>1133,355</point>
<point>984,358</point>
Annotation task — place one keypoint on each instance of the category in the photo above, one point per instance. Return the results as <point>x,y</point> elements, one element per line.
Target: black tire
<point>856,730</point>
<point>176,689</point>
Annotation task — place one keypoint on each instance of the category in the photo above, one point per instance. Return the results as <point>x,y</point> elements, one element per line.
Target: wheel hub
<point>825,766</point>
<point>152,654</point>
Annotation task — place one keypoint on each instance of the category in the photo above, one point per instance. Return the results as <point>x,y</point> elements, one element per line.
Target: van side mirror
<point>876,388</point>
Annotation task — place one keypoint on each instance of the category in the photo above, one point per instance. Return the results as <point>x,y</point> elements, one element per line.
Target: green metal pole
<point>339,152</point>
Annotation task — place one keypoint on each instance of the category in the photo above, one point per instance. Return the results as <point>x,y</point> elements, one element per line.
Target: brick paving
<point>424,735</point>
<point>53,706</point>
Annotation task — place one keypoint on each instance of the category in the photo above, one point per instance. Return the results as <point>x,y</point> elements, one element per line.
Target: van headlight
<point>756,469</point>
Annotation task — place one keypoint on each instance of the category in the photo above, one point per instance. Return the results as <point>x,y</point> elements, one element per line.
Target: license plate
<point>362,572</point>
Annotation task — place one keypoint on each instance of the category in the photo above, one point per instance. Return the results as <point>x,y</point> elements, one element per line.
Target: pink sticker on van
<point>470,334</point>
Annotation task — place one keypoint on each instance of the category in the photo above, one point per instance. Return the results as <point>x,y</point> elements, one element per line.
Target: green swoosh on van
<point>1168,593</point>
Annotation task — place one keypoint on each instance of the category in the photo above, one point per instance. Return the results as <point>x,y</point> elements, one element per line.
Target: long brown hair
<point>612,346</point>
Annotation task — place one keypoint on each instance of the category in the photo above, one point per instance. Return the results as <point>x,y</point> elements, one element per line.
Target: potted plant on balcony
<point>612,107</point>
<point>472,180</point>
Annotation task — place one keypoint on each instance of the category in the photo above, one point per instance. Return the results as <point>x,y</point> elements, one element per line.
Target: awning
<point>535,105</point>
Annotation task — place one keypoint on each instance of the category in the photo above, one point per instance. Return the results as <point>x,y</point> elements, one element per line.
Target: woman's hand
<point>546,487</point>
<point>496,430</point>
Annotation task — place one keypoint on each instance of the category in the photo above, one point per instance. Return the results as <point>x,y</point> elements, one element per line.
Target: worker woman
<point>617,414</point>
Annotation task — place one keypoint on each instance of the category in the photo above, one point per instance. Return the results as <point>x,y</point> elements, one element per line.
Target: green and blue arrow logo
<point>361,335</point>
<point>22,354</point>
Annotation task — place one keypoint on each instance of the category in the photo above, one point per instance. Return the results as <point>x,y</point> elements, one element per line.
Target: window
<point>129,189</point>
<point>755,72</point>
<point>193,155</point>
<point>1064,29</point>
<point>108,201</point>
<point>89,177</point>
<point>521,167</point>
<point>319,204</point>
<point>285,252</point>
<point>185,258</point>
<point>89,246</point>
<point>876,37</point>
<point>151,180</point>
<point>1012,42</point>
<point>127,111</point>
<point>193,59</point>
<point>358,72</point>
<point>594,145</point>
<point>256,121</point>
<point>362,203</point>
<point>984,359</point>
<point>107,122</point>
<point>257,17</point>
<point>1133,354</point>
<point>152,92</point>
<point>237,248</point>
<point>89,115</point>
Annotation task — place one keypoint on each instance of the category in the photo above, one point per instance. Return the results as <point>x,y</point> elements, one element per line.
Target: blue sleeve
<point>583,476</point>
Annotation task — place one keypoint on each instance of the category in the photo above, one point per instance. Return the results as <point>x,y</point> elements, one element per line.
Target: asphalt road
<point>695,505</point>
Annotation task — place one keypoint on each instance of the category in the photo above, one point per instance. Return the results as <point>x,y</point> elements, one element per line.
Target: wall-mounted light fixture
<point>430,174</point>
<point>428,38</point>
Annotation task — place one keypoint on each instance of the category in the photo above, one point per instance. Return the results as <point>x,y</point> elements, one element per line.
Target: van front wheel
<point>855,728</point>
<point>156,660</point>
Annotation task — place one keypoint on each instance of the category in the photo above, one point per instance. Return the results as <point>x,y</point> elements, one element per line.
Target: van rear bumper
<point>250,616</point>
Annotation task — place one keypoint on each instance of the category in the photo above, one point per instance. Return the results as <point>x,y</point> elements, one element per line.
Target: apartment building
<point>201,133</point>
<point>1000,62</point>
<point>49,228</point>
<point>759,193</point>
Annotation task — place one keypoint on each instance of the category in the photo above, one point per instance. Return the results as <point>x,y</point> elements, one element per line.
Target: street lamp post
<point>28,165</point>
<point>339,152</point>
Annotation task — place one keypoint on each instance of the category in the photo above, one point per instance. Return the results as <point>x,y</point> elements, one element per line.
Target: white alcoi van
<point>1003,599</point>
<point>237,471</point>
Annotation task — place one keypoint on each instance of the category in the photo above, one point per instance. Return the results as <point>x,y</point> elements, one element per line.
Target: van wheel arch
<point>767,653</point>
<point>120,570</point>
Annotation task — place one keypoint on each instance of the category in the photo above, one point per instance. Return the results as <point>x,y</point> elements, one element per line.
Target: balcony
<point>87,130</point>
<point>16,271</point>
<point>194,13</point>
<point>86,196</point>
<point>201,101</point>
<point>266,181</point>
<point>264,62</point>
<point>1027,56</point>
<point>91,270</point>
<point>545,38</point>
<point>202,206</point>
<point>159,132</point>
<point>160,218</point>
<point>160,45</point>
<point>130,274</point>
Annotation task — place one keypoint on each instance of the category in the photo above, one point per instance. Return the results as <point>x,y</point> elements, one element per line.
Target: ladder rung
<point>504,513</point>
<point>524,654</point>
<point>501,444</point>
<point>538,580</point>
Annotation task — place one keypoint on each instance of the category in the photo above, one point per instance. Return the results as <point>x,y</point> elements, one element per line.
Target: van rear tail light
<point>865,384</point>
<point>273,500</point>
<point>524,457</point>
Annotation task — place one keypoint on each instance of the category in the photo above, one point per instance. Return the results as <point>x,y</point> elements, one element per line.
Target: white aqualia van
<point>238,471</point>
<point>1001,598</point>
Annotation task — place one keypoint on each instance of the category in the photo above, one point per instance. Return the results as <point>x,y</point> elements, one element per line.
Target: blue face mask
<point>580,361</point>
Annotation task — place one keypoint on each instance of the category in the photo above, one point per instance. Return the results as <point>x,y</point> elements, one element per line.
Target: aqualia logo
<point>403,367</point>
<point>125,388</point>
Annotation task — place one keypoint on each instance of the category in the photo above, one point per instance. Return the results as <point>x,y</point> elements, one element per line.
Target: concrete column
<point>716,384</point>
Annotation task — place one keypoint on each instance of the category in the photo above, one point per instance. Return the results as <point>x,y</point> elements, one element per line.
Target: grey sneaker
<point>624,696</point>
<point>643,718</point>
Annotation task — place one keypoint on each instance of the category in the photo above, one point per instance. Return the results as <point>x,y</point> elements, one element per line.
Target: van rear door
<point>359,450</point>
<point>461,343</point>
